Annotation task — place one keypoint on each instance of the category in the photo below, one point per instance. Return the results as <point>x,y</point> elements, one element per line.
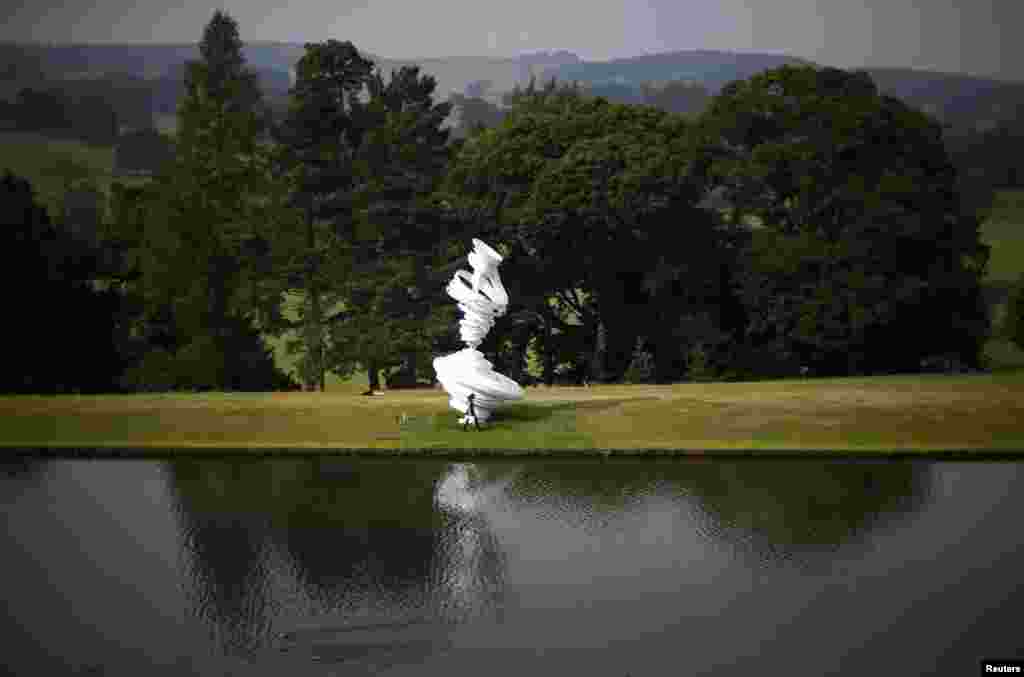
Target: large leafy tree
<point>143,150</point>
<point>474,113</point>
<point>60,296</point>
<point>864,255</point>
<point>676,96</point>
<point>601,197</point>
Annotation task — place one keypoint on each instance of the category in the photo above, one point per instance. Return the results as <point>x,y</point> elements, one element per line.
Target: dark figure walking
<point>471,414</point>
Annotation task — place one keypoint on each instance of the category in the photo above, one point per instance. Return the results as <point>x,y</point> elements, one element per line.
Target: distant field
<point>1004,232</point>
<point>37,158</point>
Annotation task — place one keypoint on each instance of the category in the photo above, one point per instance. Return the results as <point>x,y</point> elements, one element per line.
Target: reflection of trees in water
<point>281,539</point>
<point>362,533</point>
<point>786,510</point>
<point>776,509</point>
<point>224,550</point>
<point>20,473</point>
<point>585,493</point>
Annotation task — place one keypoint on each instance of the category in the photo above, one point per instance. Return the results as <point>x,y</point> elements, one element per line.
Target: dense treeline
<point>672,96</point>
<point>803,222</point>
<point>142,151</point>
<point>91,109</point>
<point>89,117</point>
<point>66,334</point>
<point>995,155</point>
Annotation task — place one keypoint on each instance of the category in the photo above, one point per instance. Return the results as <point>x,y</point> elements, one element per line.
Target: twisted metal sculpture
<point>482,299</point>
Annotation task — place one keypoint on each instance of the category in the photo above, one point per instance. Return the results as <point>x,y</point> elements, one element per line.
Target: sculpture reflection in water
<point>481,298</point>
<point>469,560</point>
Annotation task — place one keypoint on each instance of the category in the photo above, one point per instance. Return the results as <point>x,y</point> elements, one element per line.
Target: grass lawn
<point>877,414</point>
<point>1004,232</point>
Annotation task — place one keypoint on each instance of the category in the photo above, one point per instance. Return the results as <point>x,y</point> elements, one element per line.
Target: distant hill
<point>142,60</point>
<point>453,73</point>
<point>169,87</point>
<point>963,101</point>
<point>543,64</point>
<point>713,69</point>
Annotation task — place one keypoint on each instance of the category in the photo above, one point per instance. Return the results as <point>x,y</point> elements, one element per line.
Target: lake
<point>335,565</point>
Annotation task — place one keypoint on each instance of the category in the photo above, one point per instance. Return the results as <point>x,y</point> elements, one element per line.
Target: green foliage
<point>363,157</point>
<point>55,112</point>
<point>59,267</point>
<point>315,164</point>
<point>868,259</point>
<point>604,199</point>
<point>1003,232</point>
<point>400,161</point>
<point>1013,323</point>
<point>143,150</point>
<point>238,361</point>
<point>198,226</point>
<point>55,166</point>
<point>475,114</point>
<point>994,155</point>
<point>154,374</point>
<point>676,96</point>
<point>849,243</point>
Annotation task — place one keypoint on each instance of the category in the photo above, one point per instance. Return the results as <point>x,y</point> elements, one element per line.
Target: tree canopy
<point>200,215</point>
<point>864,255</point>
<point>602,197</point>
<point>63,332</point>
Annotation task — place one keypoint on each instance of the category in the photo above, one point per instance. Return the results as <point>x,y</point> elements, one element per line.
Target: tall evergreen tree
<point>317,142</point>
<point>402,156</point>
<point>201,215</point>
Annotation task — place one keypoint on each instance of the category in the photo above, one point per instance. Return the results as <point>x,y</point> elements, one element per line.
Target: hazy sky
<point>978,37</point>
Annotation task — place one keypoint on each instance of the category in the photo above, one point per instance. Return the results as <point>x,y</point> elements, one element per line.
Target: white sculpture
<point>481,298</point>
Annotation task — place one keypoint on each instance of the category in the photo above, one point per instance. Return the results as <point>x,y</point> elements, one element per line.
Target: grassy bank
<point>896,413</point>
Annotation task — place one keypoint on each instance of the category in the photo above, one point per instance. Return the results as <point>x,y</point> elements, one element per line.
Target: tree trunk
<point>218,321</point>
<point>323,370</point>
<point>314,321</point>
<point>620,318</point>
<point>597,359</point>
<point>373,375</point>
<point>411,363</point>
<point>549,352</point>
<point>521,347</point>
